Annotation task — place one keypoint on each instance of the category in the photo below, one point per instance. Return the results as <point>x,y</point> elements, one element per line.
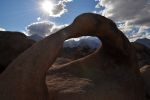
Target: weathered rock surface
<point>11,45</point>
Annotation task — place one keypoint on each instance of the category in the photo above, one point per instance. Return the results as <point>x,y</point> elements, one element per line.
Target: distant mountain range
<point>86,41</point>
<point>144,41</point>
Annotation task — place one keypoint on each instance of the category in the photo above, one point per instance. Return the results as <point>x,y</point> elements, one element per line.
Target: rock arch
<point>111,73</point>
<point>24,79</point>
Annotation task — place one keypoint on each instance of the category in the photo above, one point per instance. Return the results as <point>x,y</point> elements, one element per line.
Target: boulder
<point>11,45</point>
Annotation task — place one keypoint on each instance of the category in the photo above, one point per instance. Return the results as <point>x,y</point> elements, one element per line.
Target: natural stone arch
<point>111,73</point>
<point>24,79</point>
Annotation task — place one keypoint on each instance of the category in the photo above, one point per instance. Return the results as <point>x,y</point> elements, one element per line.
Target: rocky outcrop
<point>69,54</point>
<point>11,45</point>
<point>24,79</point>
<point>110,73</point>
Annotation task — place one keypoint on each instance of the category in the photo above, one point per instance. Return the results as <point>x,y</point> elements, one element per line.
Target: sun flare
<point>47,6</point>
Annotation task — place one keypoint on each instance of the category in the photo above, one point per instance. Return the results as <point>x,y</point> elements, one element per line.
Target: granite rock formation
<point>110,73</point>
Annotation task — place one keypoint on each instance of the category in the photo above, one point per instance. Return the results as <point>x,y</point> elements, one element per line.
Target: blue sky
<point>17,14</point>
<point>27,15</point>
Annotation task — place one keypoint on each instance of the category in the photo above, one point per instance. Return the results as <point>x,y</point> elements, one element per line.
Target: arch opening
<point>76,48</point>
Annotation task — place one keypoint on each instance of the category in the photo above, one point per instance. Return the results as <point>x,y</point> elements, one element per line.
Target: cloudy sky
<point>44,17</point>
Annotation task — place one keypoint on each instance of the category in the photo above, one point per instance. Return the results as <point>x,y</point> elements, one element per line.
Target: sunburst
<point>47,6</point>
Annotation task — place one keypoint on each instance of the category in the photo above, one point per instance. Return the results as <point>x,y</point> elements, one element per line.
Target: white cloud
<point>59,7</point>
<point>39,19</point>
<point>2,29</point>
<point>142,33</point>
<point>43,28</point>
<point>132,14</point>
<point>126,10</point>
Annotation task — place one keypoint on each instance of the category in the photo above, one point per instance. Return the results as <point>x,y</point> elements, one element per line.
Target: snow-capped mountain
<point>85,41</point>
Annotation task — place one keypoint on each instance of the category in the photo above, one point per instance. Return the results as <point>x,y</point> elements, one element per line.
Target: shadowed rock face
<point>108,74</point>
<point>11,45</point>
<point>145,72</point>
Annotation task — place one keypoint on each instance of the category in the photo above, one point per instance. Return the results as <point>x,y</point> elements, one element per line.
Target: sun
<point>47,6</point>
